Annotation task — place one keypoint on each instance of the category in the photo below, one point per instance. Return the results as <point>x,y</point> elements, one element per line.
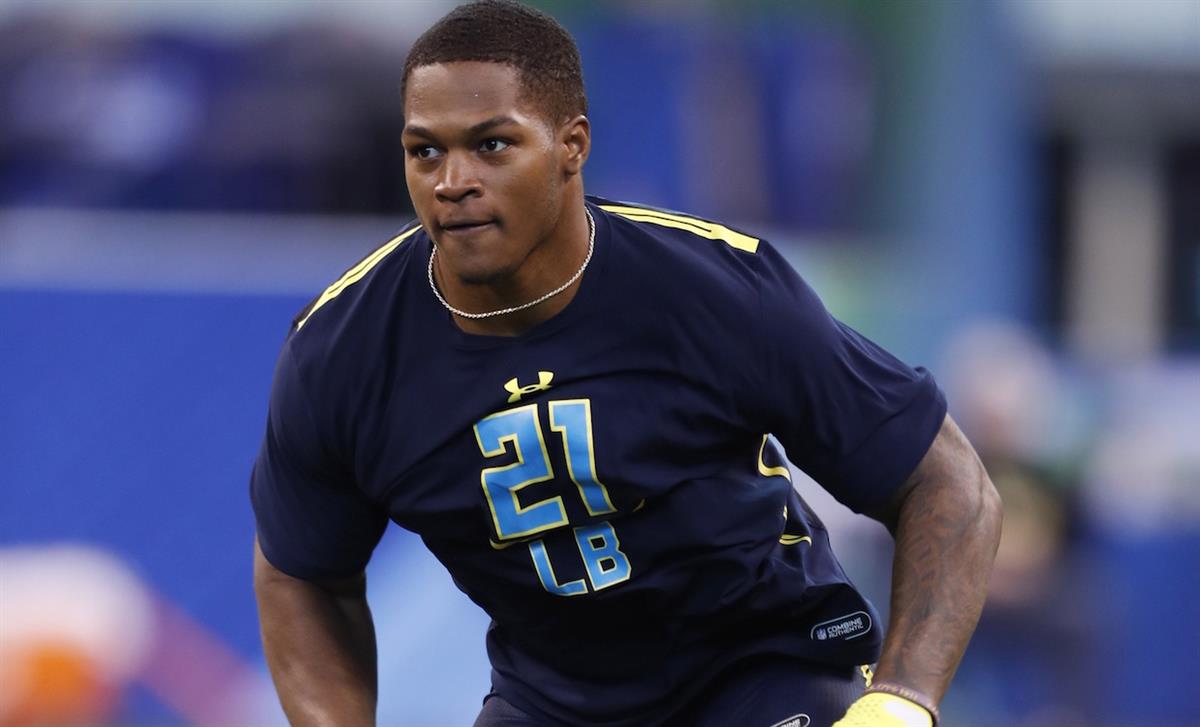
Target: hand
<point>876,709</point>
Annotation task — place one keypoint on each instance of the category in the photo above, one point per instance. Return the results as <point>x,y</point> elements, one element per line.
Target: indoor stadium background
<point>1005,191</point>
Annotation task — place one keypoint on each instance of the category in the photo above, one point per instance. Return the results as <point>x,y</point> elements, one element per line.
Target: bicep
<point>319,644</point>
<point>950,463</point>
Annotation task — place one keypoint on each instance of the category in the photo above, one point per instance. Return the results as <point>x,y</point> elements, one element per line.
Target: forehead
<point>463,93</point>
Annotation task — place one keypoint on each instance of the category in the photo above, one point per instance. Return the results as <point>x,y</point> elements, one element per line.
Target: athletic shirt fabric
<point>602,484</point>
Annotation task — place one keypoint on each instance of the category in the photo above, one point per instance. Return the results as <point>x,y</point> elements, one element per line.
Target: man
<point>569,400</point>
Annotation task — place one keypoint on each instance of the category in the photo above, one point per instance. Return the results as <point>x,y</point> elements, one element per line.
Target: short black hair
<point>504,31</point>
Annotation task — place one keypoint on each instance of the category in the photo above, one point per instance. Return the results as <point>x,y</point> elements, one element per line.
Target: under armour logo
<point>516,391</point>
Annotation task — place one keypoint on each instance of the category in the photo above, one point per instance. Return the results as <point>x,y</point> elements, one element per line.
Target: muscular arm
<point>320,645</point>
<point>946,522</point>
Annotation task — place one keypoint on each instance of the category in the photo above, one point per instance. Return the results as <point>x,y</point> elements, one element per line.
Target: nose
<point>457,178</point>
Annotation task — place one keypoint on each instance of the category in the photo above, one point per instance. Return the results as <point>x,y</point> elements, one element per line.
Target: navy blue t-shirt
<point>602,485</point>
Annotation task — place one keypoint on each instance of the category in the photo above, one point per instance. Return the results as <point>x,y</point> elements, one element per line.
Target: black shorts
<point>764,692</point>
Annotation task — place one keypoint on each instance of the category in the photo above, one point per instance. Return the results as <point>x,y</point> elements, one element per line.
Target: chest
<point>511,442</point>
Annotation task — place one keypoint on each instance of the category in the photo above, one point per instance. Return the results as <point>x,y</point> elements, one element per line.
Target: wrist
<point>918,698</point>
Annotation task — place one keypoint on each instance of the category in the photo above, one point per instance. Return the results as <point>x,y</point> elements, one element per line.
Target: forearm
<point>320,647</point>
<point>947,531</point>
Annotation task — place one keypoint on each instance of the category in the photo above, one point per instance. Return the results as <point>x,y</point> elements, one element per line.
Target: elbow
<point>990,509</point>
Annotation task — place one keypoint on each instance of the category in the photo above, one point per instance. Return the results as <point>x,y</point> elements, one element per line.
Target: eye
<point>494,145</point>
<point>424,152</point>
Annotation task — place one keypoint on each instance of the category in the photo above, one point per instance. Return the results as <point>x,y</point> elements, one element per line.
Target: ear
<point>575,136</point>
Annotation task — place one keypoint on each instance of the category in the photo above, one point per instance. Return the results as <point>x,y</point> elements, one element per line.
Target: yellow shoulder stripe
<point>703,228</point>
<point>356,273</point>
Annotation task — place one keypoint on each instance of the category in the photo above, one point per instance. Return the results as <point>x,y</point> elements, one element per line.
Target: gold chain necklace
<point>523,306</point>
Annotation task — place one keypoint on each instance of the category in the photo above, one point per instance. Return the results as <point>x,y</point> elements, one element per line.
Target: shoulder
<point>685,252</point>
<point>354,308</point>
<point>669,225</point>
<point>381,266</point>
<point>342,329</point>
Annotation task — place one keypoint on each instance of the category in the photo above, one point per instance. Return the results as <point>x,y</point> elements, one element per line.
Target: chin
<point>471,261</point>
<point>483,274</point>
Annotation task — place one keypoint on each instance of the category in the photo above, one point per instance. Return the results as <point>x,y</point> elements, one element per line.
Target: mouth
<point>465,227</point>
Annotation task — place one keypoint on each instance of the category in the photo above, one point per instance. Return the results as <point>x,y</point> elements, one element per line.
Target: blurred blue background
<point>1005,191</point>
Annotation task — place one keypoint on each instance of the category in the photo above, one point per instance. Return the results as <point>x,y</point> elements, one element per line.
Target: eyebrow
<point>475,130</point>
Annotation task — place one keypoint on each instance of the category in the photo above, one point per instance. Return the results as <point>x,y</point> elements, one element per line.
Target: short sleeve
<point>313,522</point>
<point>851,415</point>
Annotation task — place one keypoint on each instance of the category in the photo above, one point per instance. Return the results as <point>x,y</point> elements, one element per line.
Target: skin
<point>946,521</point>
<point>319,640</point>
<point>478,151</point>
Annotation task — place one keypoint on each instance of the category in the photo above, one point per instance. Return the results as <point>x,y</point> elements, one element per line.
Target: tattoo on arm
<point>947,529</point>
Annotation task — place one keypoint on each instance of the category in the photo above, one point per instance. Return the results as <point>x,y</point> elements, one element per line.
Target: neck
<point>550,264</point>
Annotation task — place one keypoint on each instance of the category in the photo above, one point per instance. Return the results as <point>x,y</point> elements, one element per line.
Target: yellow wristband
<point>877,709</point>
